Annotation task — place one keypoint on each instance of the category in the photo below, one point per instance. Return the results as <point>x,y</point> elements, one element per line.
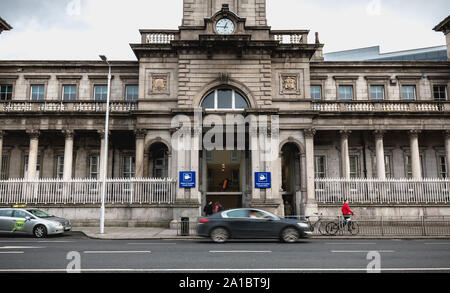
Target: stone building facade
<point>336,119</point>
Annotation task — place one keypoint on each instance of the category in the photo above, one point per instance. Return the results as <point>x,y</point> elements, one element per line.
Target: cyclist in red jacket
<point>346,211</point>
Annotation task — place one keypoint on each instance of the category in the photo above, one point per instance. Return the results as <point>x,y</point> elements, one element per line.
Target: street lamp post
<point>105,149</point>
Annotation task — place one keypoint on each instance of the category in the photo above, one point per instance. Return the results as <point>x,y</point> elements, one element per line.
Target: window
<point>6,213</point>
<point>129,166</point>
<point>5,92</point>
<point>69,92</point>
<point>354,166</point>
<point>20,214</point>
<point>94,167</point>
<point>346,92</point>
<point>59,167</point>
<point>25,167</point>
<point>440,92</point>
<point>37,92</point>
<point>131,92</point>
<point>387,166</point>
<point>409,165</point>
<point>319,166</point>
<point>234,156</point>
<point>238,214</point>
<point>224,99</point>
<point>409,92</point>
<point>316,92</point>
<point>100,92</point>
<point>442,167</point>
<point>209,156</point>
<point>377,92</point>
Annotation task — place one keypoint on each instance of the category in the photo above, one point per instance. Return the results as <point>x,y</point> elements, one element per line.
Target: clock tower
<point>195,11</point>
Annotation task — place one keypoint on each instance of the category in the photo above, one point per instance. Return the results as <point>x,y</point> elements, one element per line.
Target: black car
<point>251,223</point>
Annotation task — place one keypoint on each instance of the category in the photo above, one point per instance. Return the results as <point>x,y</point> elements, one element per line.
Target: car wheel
<point>290,235</point>
<point>219,235</point>
<point>40,231</point>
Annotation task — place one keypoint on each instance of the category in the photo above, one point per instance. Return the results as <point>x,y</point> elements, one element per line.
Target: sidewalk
<point>124,233</point>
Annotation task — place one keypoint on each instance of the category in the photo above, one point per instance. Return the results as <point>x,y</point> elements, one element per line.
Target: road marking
<point>350,243</point>
<point>107,251</point>
<point>240,251</point>
<point>237,270</point>
<point>151,243</point>
<point>438,243</point>
<point>20,247</point>
<point>360,251</point>
<point>42,241</point>
<point>11,252</point>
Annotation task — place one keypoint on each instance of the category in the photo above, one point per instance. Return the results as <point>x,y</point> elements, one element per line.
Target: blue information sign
<point>187,179</point>
<point>263,180</point>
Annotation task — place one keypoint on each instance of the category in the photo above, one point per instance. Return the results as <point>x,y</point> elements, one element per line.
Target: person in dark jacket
<point>208,209</point>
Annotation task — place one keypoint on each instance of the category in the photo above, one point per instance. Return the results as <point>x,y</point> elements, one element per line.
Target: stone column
<point>2,133</point>
<point>447,151</point>
<point>195,149</point>
<point>140,143</point>
<point>311,205</point>
<point>33,154</point>
<point>68,154</point>
<point>345,158</point>
<point>415,154</point>
<point>181,149</point>
<point>379,145</point>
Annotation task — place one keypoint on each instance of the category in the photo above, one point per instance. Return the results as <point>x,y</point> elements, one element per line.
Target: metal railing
<point>382,191</point>
<point>88,191</point>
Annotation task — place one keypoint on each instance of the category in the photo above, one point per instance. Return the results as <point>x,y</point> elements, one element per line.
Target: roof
<point>4,26</point>
<point>443,25</point>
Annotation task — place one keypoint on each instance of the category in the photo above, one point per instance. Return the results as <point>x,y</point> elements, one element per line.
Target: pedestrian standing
<point>208,209</point>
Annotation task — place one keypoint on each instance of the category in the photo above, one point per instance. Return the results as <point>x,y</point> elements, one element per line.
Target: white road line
<point>360,251</point>
<point>236,270</point>
<point>11,252</point>
<point>151,243</point>
<point>240,251</point>
<point>20,247</point>
<point>350,243</point>
<point>117,252</point>
<point>438,243</point>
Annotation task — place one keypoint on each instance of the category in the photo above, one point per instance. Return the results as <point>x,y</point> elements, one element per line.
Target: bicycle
<point>334,227</point>
<point>320,224</point>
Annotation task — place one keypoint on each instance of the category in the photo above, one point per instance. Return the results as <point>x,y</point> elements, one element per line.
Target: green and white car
<point>31,221</point>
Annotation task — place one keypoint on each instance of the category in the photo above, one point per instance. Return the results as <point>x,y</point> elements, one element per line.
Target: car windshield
<point>40,214</point>
<point>255,214</point>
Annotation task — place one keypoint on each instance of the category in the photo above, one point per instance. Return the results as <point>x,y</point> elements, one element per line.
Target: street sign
<point>187,179</point>
<point>263,180</point>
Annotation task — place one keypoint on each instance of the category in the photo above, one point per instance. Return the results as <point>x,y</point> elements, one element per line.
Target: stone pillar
<point>311,205</point>
<point>2,133</point>
<point>415,154</point>
<point>345,158</point>
<point>447,151</point>
<point>381,170</point>
<point>33,154</point>
<point>254,147</point>
<point>68,154</point>
<point>180,147</point>
<point>140,143</point>
<point>195,149</point>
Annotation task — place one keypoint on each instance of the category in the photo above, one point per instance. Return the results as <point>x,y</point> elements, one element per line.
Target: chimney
<point>444,26</point>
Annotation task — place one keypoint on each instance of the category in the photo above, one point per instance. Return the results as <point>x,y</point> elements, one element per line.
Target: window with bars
<point>94,168</point>
<point>37,92</point>
<point>319,166</point>
<point>4,168</point>
<point>442,162</point>
<point>100,92</point>
<point>69,92</point>
<point>346,92</point>
<point>388,166</point>
<point>354,166</point>
<point>377,92</point>
<point>59,167</point>
<point>129,166</point>
<point>440,92</point>
<point>5,92</point>
<point>316,92</point>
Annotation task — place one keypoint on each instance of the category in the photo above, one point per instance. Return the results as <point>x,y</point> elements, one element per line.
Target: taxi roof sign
<point>19,206</point>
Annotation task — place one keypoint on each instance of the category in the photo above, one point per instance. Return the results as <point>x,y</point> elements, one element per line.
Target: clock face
<point>225,26</point>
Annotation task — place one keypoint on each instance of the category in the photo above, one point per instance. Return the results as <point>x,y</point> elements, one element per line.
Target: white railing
<point>88,191</point>
<point>382,191</point>
<point>67,106</point>
<point>370,106</point>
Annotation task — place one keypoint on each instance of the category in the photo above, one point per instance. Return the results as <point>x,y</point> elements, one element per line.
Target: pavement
<point>126,233</point>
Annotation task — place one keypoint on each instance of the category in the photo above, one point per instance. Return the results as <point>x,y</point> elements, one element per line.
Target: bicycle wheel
<point>332,228</point>
<point>353,228</point>
<point>322,228</point>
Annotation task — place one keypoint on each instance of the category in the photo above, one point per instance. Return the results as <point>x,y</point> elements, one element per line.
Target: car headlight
<point>58,225</point>
<point>303,225</point>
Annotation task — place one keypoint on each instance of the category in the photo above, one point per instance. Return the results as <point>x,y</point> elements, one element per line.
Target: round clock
<point>225,26</point>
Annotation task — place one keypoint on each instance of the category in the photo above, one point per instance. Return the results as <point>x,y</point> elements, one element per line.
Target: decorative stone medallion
<point>289,84</point>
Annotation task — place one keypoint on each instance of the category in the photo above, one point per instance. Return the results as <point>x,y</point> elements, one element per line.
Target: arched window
<point>225,99</point>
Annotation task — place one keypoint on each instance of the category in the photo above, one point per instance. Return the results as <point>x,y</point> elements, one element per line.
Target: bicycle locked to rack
<point>320,225</point>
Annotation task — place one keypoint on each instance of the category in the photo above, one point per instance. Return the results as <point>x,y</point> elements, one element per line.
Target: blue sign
<point>187,180</point>
<point>263,180</point>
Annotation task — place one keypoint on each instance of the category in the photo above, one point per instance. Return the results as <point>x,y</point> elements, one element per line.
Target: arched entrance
<point>291,179</point>
<point>158,165</point>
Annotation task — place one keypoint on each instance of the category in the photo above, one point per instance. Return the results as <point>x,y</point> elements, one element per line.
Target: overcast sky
<point>83,29</point>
